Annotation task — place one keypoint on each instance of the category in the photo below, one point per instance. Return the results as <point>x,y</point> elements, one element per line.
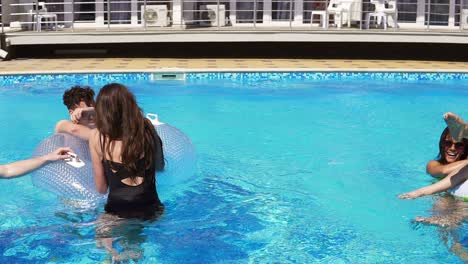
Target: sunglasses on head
<point>449,143</point>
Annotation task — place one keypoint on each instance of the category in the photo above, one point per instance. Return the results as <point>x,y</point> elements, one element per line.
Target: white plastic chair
<point>336,9</point>
<point>341,10</point>
<point>382,13</point>
<point>41,14</point>
<point>464,18</point>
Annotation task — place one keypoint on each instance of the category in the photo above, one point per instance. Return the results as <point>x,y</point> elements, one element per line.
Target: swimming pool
<point>292,167</point>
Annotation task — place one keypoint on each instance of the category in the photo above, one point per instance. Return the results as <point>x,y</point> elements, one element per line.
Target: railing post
<point>1,17</point>
<point>36,2</point>
<point>428,14</point>
<point>290,14</point>
<point>108,15</point>
<point>143,15</point>
<point>182,20</point>
<point>362,12</point>
<point>460,21</point>
<point>217,17</point>
<point>73,15</point>
<point>255,14</point>
<point>327,16</point>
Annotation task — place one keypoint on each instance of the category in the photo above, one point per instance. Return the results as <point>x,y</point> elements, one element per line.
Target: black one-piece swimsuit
<point>141,201</point>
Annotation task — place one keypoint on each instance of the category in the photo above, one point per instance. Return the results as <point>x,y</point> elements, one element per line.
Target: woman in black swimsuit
<point>126,152</point>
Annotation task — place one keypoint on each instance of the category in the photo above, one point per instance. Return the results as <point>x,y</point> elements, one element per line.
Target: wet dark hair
<point>118,117</point>
<point>441,157</point>
<point>73,96</point>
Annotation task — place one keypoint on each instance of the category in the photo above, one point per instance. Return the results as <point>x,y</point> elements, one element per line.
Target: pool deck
<point>237,34</point>
<point>102,65</point>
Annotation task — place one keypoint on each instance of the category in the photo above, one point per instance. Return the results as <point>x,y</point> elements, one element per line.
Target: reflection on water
<point>449,215</point>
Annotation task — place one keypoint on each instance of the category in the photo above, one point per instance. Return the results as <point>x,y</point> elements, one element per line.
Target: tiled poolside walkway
<point>21,66</point>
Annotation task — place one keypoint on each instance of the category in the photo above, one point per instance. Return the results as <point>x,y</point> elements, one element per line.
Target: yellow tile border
<point>127,65</point>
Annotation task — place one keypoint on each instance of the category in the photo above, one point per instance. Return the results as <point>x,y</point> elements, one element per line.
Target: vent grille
<point>176,76</point>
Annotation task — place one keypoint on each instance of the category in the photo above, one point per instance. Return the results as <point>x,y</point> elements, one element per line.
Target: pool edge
<point>239,70</point>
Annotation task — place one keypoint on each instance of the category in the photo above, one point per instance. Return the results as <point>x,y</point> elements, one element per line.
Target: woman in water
<point>126,152</point>
<point>451,159</point>
<point>448,211</point>
<point>451,164</point>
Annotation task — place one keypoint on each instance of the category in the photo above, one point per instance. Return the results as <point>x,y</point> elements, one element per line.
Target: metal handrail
<point>1,18</point>
<point>290,14</point>
<point>428,14</point>
<point>460,22</point>
<point>250,15</point>
<point>255,14</point>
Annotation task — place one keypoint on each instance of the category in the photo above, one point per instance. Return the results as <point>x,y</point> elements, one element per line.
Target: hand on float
<point>58,154</point>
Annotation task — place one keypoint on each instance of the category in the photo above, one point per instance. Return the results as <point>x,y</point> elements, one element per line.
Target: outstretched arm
<point>440,186</point>
<point>458,128</point>
<point>22,167</point>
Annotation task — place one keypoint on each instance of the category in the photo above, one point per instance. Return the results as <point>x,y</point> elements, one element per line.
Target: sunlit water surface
<point>288,171</point>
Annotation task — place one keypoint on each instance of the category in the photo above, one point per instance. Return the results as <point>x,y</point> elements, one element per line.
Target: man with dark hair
<point>80,104</point>
<point>77,94</point>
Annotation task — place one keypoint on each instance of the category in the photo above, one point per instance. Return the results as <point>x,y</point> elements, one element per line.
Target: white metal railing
<point>128,15</point>
<point>1,17</point>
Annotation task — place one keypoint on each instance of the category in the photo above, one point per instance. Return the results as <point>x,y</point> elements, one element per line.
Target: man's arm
<point>22,167</point>
<point>76,115</point>
<point>67,126</point>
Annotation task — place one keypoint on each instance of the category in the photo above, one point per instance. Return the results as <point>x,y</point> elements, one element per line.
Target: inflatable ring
<point>77,183</point>
<point>460,191</point>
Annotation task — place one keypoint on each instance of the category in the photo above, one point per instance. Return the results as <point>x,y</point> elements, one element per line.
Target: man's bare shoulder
<point>63,126</point>
<point>67,126</point>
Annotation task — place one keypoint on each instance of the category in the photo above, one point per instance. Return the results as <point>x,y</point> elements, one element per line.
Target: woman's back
<point>115,158</point>
<point>126,152</point>
<point>128,198</point>
<point>125,190</point>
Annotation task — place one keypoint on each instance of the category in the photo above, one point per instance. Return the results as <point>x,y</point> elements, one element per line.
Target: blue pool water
<point>290,170</point>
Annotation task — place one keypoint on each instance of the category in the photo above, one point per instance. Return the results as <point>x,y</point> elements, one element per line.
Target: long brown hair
<point>118,117</point>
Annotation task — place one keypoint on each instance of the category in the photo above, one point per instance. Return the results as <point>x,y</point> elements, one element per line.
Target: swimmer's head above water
<point>80,104</point>
<point>78,96</point>
<point>449,150</point>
